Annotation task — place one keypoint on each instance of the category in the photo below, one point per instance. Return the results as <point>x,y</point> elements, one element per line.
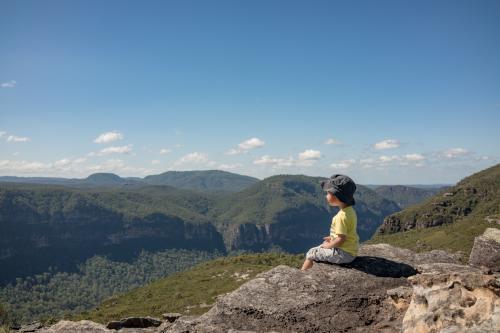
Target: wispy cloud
<point>154,162</point>
<point>275,162</point>
<point>414,157</point>
<point>344,164</point>
<point>195,158</point>
<point>246,146</point>
<point>115,150</point>
<point>306,158</point>
<point>165,151</point>
<point>386,144</point>
<point>14,138</point>
<point>118,166</point>
<point>9,84</point>
<point>455,152</point>
<point>24,167</point>
<point>2,134</point>
<point>332,141</point>
<point>108,137</point>
<point>230,166</point>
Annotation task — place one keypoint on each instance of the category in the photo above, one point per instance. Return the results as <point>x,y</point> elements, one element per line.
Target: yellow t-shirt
<point>344,223</point>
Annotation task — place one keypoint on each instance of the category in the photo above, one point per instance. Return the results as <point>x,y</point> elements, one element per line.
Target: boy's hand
<point>327,239</point>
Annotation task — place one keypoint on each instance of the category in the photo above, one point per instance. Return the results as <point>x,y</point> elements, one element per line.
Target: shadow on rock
<point>381,267</point>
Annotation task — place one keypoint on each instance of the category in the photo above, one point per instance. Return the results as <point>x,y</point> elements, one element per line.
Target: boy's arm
<point>334,242</point>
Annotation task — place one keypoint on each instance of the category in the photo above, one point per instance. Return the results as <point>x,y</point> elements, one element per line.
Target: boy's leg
<point>308,263</point>
<point>310,256</point>
<point>339,256</point>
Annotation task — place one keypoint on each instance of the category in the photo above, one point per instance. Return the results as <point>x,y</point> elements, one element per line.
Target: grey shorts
<point>334,256</point>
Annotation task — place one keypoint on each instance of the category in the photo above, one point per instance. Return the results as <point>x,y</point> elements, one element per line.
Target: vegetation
<point>406,196</point>
<point>189,292</point>
<point>450,220</point>
<point>53,293</point>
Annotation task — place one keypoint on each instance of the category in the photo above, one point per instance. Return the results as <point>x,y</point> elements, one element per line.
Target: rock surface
<point>486,250</point>
<point>386,289</point>
<point>453,298</point>
<point>327,298</point>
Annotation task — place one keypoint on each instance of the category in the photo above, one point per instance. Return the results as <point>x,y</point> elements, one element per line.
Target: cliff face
<point>64,239</point>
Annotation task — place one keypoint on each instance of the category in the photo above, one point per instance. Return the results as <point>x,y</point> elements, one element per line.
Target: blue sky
<point>389,92</point>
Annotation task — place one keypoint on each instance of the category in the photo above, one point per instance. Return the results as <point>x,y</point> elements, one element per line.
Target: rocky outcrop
<point>386,289</point>
<point>453,298</point>
<point>486,250</point>
<point>369,295</point>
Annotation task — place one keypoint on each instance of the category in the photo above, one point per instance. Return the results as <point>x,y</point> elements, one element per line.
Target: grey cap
<point>340,186</point>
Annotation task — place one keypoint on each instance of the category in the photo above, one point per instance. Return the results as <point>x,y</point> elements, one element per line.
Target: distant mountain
<point>290,212</point>
<point>214,181</point>
<point>58,227</point>
<point>450,219</point>
<point>94,180</point>
<point>206,181</point>
<point>109,179</point>
<point>406,196</point>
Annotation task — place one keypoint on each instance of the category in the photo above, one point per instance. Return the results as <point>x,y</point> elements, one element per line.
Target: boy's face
<point>332,200</point>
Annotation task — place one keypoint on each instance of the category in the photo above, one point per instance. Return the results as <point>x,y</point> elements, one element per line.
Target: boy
<point>342,245</point>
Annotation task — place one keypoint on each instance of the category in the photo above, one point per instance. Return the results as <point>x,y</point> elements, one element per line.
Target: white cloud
<point>80,160</point>
<point>456,152</point>
<point>13,138</point>
<point>109,137</point>
<point>229,166</point>
<point>2,134</point>
<point>246,146</point>
<point>386,144</point>
<point>306,158</point>
<point>344,164</point>
<point>275,162</point>
<point>15,153</point>
<point>154,162</point>
<point>116,150</point>
<point>23,166</point>
<point>310,154</point>
<point>62,163</point>
<point>9,84</point>
<point>414,157</point>
<point>195,158</point>
<point>332,141</point>
<point>118,166</point>
<point>164,151</point>
<point>388,159</point>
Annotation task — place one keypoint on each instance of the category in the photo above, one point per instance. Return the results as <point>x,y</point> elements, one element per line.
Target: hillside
<point>448,220</point>
<point>59,227</point>
<point>192,291</point>
<point>290,212</point>
<point>406,196</point>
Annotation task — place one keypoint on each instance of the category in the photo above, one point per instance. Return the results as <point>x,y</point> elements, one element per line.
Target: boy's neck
<point>343,205</point>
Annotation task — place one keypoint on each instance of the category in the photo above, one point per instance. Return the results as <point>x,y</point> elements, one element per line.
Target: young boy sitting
<point>342,245</point>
